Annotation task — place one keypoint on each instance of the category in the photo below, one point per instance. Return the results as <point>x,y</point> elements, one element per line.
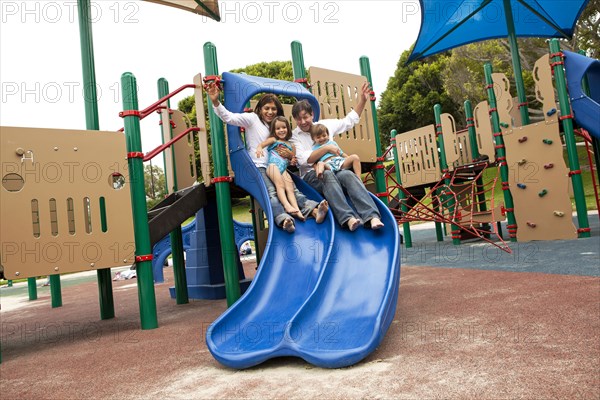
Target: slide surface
<point>323,294</point>
<point>586,106</point>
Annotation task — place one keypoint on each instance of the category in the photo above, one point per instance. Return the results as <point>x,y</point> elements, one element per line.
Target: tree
<point>587,30</point>
<point>281,70</point>
<point>407,103</point>
<point>154,184</point>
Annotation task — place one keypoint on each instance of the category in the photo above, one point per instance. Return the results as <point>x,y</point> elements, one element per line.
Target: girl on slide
<point>281,132</point>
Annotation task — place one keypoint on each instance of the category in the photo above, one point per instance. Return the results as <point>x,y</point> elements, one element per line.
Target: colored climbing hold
<point>548,166</point>
<point>521,185</point>
<point>521,161</point>
<point>504,124</point>
<point>551,112</point>
<point>547,141</point>
<point>559,213</point>
<point>523,139</point>
<point>543,193</point>
<point>531,224</point>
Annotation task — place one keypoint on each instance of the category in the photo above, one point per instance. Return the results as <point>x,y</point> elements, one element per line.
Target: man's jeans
<point>332,187</point>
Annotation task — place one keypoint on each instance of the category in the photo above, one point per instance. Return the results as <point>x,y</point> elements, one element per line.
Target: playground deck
<point>471,326</point>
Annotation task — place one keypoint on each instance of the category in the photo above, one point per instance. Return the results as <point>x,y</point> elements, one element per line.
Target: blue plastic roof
<point>448,24</point>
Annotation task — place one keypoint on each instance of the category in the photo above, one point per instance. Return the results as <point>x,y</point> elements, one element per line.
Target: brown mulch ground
<point>457,334</point>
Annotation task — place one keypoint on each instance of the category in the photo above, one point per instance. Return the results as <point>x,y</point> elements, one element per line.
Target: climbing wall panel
<point>538,176</point>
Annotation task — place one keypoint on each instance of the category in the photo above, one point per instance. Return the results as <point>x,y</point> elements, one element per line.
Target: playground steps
<point>175,209</point>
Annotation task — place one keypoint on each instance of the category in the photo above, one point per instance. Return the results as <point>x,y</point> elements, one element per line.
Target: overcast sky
<point>40,59</point>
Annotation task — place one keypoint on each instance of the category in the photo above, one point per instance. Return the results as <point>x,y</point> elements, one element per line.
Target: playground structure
<point>185,198</point>
<point>331,287</point>
<point>529,157</point>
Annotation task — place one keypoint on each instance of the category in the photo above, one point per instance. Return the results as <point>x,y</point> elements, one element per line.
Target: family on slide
<point>267,128</point>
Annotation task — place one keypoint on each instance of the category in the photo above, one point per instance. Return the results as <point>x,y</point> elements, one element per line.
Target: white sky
<point>40,59</point>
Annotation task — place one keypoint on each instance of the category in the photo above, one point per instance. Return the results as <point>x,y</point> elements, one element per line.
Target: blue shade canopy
<point>448,24</point>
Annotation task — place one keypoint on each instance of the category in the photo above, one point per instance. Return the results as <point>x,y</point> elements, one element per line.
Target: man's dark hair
<point>302,105</point>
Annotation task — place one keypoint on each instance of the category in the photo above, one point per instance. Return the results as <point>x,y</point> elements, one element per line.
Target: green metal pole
<point>448,200</point>
<point>87,63</point>
<point>567,123</point>
<point>401,195</point>
<point>143,248</point>
<point>176,236</point>
<point>516,62</point>
<point>298,61</point>
<point>55,291</point>
<point>500,153</point>
<point>228,249</point>
<point>475,152</point>
<point>32,288</point>
<point>471,129</point>
<point>105,293</point>
<point>365,70</point>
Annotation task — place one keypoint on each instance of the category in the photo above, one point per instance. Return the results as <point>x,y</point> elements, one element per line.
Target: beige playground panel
<point>456,144</point>
<point>534,155</point>
<point>484,132</point>
<point>337,93</point>
<point>417,149</point>
<point>418,157</point>
<point>56,184</point>
<point>203,134</point>
<point>185,159</point>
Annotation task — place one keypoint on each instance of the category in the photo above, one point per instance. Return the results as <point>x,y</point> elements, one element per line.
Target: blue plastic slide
<point>323,293</point>
<point>586,107</point>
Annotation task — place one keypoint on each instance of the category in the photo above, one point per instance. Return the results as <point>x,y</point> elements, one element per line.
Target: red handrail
<point>155,106</point>
<point>151,154</point>
<point>158,104</point>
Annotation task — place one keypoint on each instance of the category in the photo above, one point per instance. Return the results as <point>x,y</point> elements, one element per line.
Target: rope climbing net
<point>461,199</point>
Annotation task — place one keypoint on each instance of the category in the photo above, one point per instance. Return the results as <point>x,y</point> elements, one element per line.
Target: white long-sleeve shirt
<point>256,131</point>
<point>304,143</point>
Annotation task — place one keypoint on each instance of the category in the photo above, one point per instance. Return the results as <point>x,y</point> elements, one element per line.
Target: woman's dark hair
<point>265,99</point>
<point>281,118</point>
